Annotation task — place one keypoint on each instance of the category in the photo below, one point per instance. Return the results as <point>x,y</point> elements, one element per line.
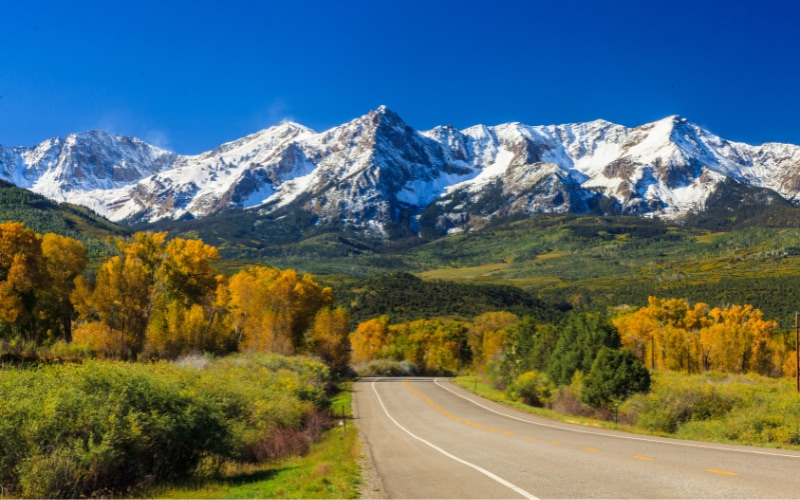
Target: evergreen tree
<point>615,374</point>
<point>581,339</point>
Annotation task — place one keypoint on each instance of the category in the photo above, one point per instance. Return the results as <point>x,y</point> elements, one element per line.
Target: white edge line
<point>468,464</point>
<point>632,438</point>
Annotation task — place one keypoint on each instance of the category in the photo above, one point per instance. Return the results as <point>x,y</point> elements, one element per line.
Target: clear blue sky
<point>192,75</point>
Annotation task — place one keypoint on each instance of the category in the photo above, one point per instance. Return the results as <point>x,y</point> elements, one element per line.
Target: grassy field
<point>330,470</point>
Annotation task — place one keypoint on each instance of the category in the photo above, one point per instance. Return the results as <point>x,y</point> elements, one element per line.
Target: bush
<point>615,375</point>
<point>105,428</point>
<point>532,388</point>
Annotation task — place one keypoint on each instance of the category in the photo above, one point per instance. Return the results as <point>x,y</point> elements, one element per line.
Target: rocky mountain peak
<point>377,174</point>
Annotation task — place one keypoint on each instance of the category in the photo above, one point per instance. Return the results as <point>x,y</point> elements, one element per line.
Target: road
<point>429,438</point>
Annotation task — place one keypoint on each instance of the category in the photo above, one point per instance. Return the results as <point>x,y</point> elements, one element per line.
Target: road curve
<point>431,439</point>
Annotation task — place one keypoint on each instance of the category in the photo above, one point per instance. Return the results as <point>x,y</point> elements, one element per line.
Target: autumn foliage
<point>671,334</point>
<point>159,298</point>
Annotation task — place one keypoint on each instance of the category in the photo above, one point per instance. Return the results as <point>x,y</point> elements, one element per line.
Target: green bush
<point>532,388</point>
<point>615,375</point>
<point>103,428</point>
<point>719,407</point>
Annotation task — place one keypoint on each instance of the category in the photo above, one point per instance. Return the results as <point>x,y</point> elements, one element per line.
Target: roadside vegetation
<point>716,407</point>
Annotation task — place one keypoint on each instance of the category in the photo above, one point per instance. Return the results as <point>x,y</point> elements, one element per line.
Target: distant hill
<point>45,216</point>
<point>405,297</point>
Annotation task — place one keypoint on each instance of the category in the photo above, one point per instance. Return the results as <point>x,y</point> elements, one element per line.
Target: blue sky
<point>191,75</point>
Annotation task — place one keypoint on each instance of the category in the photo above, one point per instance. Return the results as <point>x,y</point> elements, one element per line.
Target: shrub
<point>532,388</point>
<point>103,428</point>
<point>615,375</point>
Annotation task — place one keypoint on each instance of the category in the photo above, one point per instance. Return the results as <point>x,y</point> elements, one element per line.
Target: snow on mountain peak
<point>370,171</point>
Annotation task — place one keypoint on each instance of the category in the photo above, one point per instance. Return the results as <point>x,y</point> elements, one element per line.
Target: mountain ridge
<point>378,176</point>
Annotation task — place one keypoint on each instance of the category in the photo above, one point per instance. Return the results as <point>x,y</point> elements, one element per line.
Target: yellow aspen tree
<point>260,291</point>
<point>370,338</point>
<point>23,281</point>
<point>121,301</point>
<point>487,334</point>
<point>65,259</point>
<point>330,338</point>
<point>187,270</point>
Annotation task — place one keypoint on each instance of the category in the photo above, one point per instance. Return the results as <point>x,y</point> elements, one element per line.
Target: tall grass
<point>107,428</point>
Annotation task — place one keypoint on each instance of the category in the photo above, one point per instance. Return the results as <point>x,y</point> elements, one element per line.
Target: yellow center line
<point>454,417</point>
<point>556,442</point>
<point>642,458</point>
<point>591,448</point>
<point>727,473</point>
<point>528,437</point>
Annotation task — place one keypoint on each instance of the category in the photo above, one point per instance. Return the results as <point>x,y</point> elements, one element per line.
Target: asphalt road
<point>428,438</point>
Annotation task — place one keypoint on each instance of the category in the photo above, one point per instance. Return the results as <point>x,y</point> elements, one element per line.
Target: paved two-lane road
<point>431,439</point>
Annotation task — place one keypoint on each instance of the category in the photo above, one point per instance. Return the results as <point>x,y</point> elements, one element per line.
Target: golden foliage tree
<point>120,303</point>
<point>21,274</point>
<point>272,309</point>
<point>487,334</point>
<point>65,259</point>
<point>671,334</point>
<point>330,338</point>
<point>370,338</point>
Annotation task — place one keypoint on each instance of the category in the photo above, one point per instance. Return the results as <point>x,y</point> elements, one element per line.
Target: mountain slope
<point>379,177</point>
<point>46,216</point>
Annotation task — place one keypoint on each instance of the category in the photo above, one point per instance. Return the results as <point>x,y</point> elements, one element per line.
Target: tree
<point>187,271</point>
<point>272,309</point>
<point>370,338</point>
<point>739,340</point>
<point>487,335</point>
<point>581,339</point>
<point>330,338</point>
<point>120,303</point>
<point>22,279</point>
<point>65,259</point>
<point>615,375</point>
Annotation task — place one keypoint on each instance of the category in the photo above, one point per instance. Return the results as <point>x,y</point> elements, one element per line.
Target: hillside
<point>45,216</point>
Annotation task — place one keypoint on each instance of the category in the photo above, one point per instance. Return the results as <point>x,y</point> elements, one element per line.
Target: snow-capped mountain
<point>376,174</point>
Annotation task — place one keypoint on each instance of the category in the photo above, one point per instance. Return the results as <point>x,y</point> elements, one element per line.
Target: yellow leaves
<point>488,332</point>
<point>672,334</point>
<point>369,338</point>
<point>162,298</point>
<point>187,270</point>
<point>271,309</point>
<point>65,258</point>
<point>330,338</point>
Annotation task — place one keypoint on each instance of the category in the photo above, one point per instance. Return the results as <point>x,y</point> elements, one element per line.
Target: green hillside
<point>45,216</point>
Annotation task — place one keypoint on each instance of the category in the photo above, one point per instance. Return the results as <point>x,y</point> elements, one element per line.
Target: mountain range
<point>379,177</point>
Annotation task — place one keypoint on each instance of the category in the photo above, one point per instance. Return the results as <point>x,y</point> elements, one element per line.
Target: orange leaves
<point>672,334</point>
<point>369,338</point>
<point>35,281</point>
<point>330,338</point>
<point>271,309</point>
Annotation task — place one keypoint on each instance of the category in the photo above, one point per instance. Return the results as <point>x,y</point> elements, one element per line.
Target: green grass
<point>330,470</point>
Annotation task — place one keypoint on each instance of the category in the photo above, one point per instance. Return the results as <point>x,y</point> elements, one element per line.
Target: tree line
<point>160,299</point>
